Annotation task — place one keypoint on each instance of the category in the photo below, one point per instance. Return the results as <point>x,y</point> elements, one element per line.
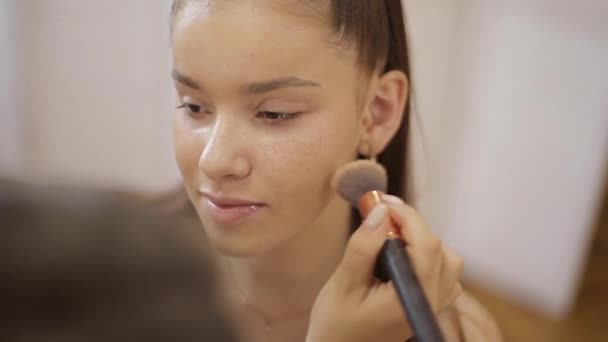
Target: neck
<point>285,281</point>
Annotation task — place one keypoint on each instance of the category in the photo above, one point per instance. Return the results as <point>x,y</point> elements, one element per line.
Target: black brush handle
<point>394,264</point>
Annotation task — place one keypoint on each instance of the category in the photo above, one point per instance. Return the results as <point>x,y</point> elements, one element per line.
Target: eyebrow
<point>253,88</point>
<point>285,82</point>
<point>185,80</point>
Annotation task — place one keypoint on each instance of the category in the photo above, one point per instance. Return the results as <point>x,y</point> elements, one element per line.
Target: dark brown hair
<point>377,29</point>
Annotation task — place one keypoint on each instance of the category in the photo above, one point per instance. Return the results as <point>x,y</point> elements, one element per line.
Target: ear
<point>385,104</point>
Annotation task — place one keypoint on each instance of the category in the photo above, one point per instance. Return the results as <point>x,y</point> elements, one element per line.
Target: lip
<point>230,211</point>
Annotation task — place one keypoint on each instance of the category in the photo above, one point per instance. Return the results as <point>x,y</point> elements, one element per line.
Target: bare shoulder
<point>468,321</point>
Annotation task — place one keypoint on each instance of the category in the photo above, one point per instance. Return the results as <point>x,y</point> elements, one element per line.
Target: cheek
<point>301,167</point>
<point>188,148</point>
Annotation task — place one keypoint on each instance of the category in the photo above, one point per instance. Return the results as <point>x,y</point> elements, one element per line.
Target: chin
<point>240,245</point>
<point>237,249</point>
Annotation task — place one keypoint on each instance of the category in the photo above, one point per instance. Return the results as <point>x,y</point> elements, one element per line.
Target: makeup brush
<point>362,183</point>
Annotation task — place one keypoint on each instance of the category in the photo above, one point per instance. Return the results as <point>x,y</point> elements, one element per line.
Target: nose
<point>224,155</point>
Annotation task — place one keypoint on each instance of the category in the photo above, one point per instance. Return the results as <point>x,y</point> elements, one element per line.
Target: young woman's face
<point>271,110</point>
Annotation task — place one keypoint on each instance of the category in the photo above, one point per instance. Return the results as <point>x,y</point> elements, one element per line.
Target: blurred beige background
<point>511,129</point>
<point>91,99</point>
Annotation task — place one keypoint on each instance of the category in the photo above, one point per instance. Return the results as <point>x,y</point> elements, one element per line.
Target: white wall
<point>519,138</point>
<point>439,42</point>
<point>10,139</point>
<point>98,96</point>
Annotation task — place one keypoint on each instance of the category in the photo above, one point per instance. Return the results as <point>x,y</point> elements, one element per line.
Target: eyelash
<point>267,115</point>
<point>191,108</point>
<point>278,116</point>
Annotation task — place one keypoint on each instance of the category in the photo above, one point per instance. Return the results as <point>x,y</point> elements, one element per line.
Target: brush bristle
<point>356,178</point>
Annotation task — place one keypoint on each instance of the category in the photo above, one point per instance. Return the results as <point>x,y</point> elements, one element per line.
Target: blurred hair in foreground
<point>78,265</point>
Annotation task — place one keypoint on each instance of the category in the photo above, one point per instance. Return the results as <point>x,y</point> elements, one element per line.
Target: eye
<point>193,109</point>
<point>277,116</point>
<point>190,107</point>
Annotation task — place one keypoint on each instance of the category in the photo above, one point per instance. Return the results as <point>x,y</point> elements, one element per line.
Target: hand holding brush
<point>355,305</point>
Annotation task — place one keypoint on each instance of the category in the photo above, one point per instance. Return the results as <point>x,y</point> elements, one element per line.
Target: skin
<point>236,151</point>
<point>238,64</point>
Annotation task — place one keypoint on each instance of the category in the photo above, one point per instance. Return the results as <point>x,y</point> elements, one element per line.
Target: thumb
<point>356,268</point>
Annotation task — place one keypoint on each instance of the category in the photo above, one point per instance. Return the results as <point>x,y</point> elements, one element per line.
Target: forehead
<point>299,13</point>
<point>313,8</point>
<point>253,37</point>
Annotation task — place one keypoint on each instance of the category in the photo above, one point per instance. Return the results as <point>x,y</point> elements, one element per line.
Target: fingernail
<point>392,199</point>
<point>375,217</point>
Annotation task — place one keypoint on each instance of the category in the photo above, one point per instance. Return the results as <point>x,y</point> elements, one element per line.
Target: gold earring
<point>371,154</point>
<point>365,150</point>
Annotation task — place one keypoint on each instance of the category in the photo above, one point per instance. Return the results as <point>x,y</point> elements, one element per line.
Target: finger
<point>356,268</point>
<point>412,226</point>
<point>425,248</point>
<point>421,242</point>
<point>451,272</point>
<point>428,259</point>
<point>452,296</point>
